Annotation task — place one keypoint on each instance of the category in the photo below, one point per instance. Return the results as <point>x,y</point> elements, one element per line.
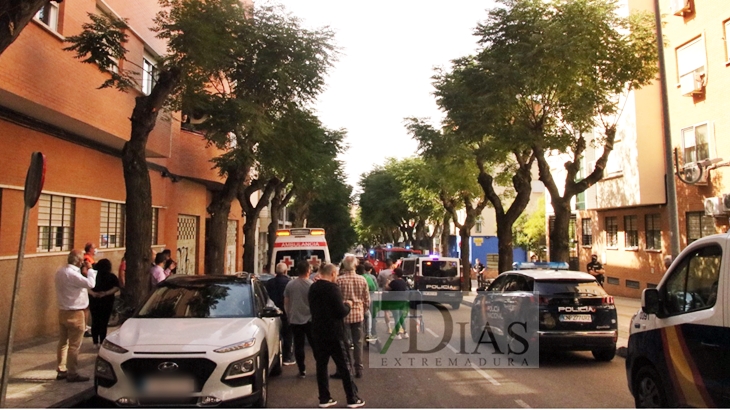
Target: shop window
<point>653,232</point>
<point>112,225</point>
<point>55,223</point>
<point>611,231</point>
<point>631,239</point>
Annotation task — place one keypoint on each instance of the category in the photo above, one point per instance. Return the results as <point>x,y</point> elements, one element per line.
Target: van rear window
<point>291,257</point>
<point>439,269</point>
<point>570,287</point>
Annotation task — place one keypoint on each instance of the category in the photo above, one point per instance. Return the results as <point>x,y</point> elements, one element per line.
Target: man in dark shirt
<point>275,288</point>
<point>595,268</point>
<point>400,311</point>
<point>328,333</point>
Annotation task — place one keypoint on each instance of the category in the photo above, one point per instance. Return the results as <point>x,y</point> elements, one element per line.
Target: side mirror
<point>650,301</point>
<point>271,311</point>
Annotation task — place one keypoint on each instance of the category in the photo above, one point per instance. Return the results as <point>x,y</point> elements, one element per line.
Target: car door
<point>696,340</point>
<point>271,324</point>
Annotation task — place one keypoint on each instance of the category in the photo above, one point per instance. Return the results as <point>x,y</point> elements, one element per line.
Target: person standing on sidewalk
<point>102,300</point>
<point>328,310</point>
<point>296,304</point>
<point>275,288</point>
<point>72,284</point>
<point>372,287</point>
<point>355,289</point>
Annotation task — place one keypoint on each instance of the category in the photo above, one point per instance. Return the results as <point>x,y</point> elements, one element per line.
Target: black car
<point>573,311</point>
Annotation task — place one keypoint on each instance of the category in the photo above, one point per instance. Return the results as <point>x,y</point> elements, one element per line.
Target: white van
<point>296,244</point>
<point>679,345</point>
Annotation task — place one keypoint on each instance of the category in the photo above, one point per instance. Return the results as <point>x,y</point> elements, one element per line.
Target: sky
<point>383,74</point>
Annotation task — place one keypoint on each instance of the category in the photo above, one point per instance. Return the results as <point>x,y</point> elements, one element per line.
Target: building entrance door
<point>187,239</point>
<point>231,236</point>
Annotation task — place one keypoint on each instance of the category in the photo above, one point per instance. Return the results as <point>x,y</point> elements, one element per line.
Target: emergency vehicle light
<point>283,232</point>
<point>316,232</point>
<point>540,265</point>
<point>300,231</point>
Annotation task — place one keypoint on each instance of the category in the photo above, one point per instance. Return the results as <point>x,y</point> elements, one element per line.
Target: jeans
<point>71,326</point>
<point>300,332</point>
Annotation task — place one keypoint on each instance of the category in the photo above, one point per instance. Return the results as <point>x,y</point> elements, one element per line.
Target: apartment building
<point>49,102</point>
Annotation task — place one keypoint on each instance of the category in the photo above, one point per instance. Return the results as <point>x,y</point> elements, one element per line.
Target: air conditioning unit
<point>695,175</point>
<point>715,207</point>
<point>726,200</point>
<point>691,84</point>
<point>679,7</point>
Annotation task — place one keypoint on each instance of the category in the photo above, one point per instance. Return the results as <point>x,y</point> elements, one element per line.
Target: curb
<point>75,399</point>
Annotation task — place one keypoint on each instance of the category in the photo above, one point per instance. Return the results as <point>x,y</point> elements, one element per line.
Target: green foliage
<point>331,211</point>
<point>381,206</point>
<point>529,230</point>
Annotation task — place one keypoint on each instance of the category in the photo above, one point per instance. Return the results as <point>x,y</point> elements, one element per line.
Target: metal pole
<point>13,304</point>
<point>668,160</point>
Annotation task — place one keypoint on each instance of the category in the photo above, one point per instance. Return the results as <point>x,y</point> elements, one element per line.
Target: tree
<point>14,16</point>
<point>529,230</point>
<point>331,211</point>
<point>564,67</point>
<point>381,208</point>
<point>199,38</point>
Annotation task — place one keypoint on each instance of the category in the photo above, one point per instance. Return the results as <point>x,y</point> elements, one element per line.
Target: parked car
<point>197,341</point>
<point>573,311</point>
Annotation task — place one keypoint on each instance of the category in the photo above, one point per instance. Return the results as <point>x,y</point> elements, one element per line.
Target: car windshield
<point>199,300</point>
<point>395,255</point>
<point>570,287</point>
<point>439,269</point>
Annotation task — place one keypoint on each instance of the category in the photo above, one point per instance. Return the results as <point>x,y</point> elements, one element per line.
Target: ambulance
<point>679,344</point>
<point>297,244</point>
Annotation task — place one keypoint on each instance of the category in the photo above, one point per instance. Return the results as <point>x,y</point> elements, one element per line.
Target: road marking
<point>452,348</point>
<point>432,332</point>
<point>485,375</point>
<point>522,404</point>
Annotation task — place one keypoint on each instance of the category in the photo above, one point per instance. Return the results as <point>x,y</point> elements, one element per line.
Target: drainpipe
<point>671,185</point>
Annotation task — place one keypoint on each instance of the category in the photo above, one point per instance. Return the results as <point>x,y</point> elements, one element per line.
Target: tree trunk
<point>138,187</point>
<point>465,233</point>
<point>217,231</point>
<point>559,237</point>
<point>249,245</point>
<point>278,201</point>
<point>505,245</point>
<point>14,16</point>
<point>251,213</point>
<point>445,233</point>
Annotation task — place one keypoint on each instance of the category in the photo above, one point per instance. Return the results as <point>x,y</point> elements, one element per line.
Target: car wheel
<point>276,368</point>
<point>476,326</point>
<point>604,355</point>
<point>263,398</point>
<point>648,389</point>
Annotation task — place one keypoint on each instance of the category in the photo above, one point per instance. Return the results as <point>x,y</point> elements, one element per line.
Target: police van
<point>297,244</point>
<point>437,278</point>
<point>679,345</point>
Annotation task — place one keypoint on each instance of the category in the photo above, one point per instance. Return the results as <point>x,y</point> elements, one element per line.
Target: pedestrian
<point>328,310</point>
<point>595,268</point>
<point>102,300</point>
<point>89,253</point>
<point>157,272</point>
<point>398,284</point>
<point>354,288</point>
<point>72,284</point>
<point>275,287</point>
<point>170,265</point>
<point>384,276</point>
<point>371,333</point>
<point>296,304</point>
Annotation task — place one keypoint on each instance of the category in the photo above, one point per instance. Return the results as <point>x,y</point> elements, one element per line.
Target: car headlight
<point>240,368</point>
<point>103,369</point>
<point>236,346</point>
<point>112,347</point>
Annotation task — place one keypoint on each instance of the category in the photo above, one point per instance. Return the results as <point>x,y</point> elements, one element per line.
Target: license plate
<point>576,318</point>
<point>430,293</point>
<point>169,385</point>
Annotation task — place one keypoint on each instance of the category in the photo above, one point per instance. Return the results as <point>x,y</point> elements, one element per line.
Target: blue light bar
<point>372,251</point>
<point>540,265</point>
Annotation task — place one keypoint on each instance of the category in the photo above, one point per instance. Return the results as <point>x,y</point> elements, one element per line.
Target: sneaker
<point>405,335</point>
<point>398,336</point>
<point>352,346</point>
<point>77,379</point>
<point>61,375</point>
<point>355,404</point>
<point>289,362</point>
<point>335,376</point>
<point>371,338</point>
<point>87,333</point>
<point>302,374</point>
<point>96,346</point>
<point>358,373</point>
<point>328,403</point>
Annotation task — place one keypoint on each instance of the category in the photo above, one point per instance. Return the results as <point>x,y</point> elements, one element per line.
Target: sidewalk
<point>33,381</point>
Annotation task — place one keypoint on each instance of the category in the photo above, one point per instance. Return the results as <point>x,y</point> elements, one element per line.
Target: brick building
<point>49,102</point>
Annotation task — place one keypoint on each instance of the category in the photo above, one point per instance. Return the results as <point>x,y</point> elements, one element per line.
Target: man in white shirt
<point>72,284</point>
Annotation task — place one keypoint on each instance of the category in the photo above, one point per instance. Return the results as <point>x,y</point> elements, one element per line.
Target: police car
<point>679,345</point>
<point>573,311</point>
<point>437,278</point>
<point>297,244</point>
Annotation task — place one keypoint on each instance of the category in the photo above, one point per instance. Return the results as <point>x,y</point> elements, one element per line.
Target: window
<point>611,231</point>
<point>691,58</point>
<point>149,74</point>
<point>693,284</point>
<point>48,14</point>
<point>155,218</point>
<point>587,232</point>
<point>653,232</point>
<point>111,225</point>
<point>698,142</point>
<point>632,232</point>
<point>55,223</point>
<point>699,225</point>
<point>478,226</point>
<point>615,163</point>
